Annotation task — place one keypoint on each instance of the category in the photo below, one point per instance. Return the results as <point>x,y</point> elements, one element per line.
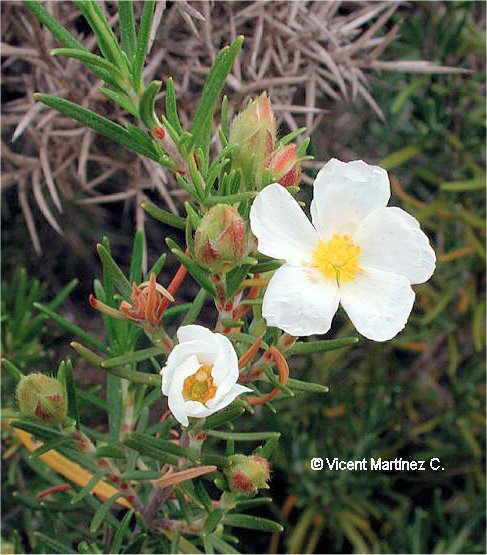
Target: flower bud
<point>42,397</point>
<point>221,239</point>
<point>247,474</point>
<point>285,166</point>
<point>254,134</point>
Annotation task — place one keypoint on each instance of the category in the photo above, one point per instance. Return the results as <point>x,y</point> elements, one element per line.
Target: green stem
<point>131,375</point>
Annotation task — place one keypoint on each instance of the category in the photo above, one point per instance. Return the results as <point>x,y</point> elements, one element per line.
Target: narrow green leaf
<point>126,22</point>
<point>130,358</point>
<point>223,416</point>
<point>235,278</point>
<point>243,436</point>
<point>298,385</point>
<point>121,99</point>
<point>37,322</point>
<point>171,313</point>
<point>141,475</point>
<point>198,274</point>
<point>124,525</point>
<point>142,43</point>
<point>251,503</point>
<point>96,122</point>
<point>268,448</point>
<point>195,308</point>
<point>171,107</point>
<point>252,523</point>
<point>309,347</point>
<point>203,497</point>
<point>10,367</point>
<point>212,520</point>
<point>59,32</point>
<point>115,406</point>
<point>70,327</point>
<point>39,431</point>
<point>101,513</point>
<point>163,215</point>
<point>224,118</point>
<point>400,157</point>
<point>475,184</point>
<point>201,125</point>
<point>267,266</point>
<point>82,493</point>
<point>291,136</point>
<point>48,446</point>
<point>230,199</point>
<point>166,446</point>
<point>221,545</point>
<point>146,449</point>
<point>90,59</point>
<point>135,274</point>
<point>110,452</point>
<point>114,273</point>
<point>68,379</point>
<point>98,22</point>
<point>53,545</point>
<point>146,105</point>
<point>158,265</point>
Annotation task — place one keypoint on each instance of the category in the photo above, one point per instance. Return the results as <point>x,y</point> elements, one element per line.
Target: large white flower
<point>358,252</point>
<point>201,373</point>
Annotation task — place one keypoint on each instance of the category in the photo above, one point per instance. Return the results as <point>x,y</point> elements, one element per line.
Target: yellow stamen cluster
<point>338,258</point>
<point>200,386</point>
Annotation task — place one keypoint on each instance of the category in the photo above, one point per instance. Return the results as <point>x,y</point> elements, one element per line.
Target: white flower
<point>358,252</point>
<point>201,373</point>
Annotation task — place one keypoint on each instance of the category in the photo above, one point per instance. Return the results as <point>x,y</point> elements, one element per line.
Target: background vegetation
<point>419,396</point>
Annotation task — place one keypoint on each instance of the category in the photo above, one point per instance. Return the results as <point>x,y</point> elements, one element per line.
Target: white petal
<point>175,397</point>
<point>345,193</point>
<point>199,410</point>
<point>281,227</point>
<point>202,350</point>
<point>193,333</point>
<point>378,303</point>
<point>300,301</point>
<point>225,369</point>
<point>391,240</point>
<point>219,403</point>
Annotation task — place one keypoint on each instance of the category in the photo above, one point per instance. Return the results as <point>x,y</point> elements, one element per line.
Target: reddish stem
<point>173,287</point>
<point>54,489</point>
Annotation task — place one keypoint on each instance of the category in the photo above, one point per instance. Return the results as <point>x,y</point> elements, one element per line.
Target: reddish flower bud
<point>221,239</point>
<point>247,474</point>
<point>43,398</point>
<point>285,166</point>
<point>253,132</point>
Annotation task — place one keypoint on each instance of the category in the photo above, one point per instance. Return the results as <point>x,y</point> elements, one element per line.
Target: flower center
<point>199,386</point>
<point>337,259</point>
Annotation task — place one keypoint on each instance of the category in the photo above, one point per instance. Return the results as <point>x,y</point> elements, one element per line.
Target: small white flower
<point>201,373</point>
<point>358,252</point>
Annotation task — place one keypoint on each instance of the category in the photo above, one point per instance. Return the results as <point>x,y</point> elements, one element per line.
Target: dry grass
<point>307,54</point>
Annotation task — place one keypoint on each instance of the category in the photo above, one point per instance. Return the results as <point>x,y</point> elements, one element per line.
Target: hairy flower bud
<point>285,166</point>
<point>247,474</point>
<point>253,132</point>
<point>221,239</point>
<point>42,397</point>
